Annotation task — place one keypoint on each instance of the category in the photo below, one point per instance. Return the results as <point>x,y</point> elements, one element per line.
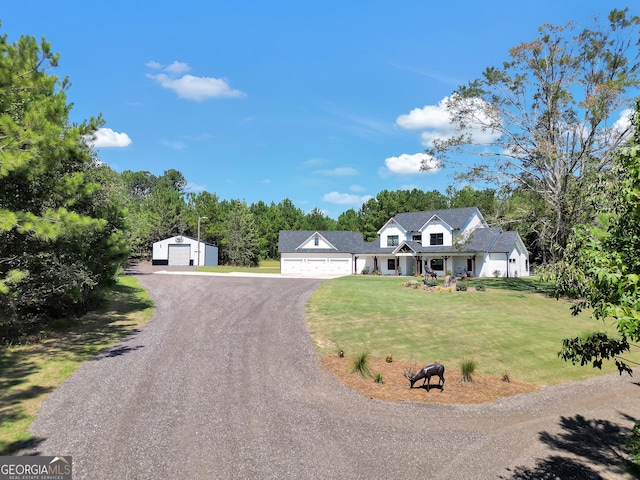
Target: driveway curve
<point>223,383</point>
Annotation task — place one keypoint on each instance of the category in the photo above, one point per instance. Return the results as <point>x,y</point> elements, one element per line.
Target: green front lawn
<point>512,327</point>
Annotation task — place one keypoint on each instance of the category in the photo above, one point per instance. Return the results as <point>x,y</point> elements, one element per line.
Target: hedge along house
<point>184,251</point>
<point>457,240</point>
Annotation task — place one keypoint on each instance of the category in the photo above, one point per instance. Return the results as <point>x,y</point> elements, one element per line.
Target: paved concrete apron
<point>224,383</point>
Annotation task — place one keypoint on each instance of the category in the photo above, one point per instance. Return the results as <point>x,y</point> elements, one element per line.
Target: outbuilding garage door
<point>179,254</point>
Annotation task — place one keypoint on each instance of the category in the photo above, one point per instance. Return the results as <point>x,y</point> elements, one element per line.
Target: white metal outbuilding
<point>183,251</point>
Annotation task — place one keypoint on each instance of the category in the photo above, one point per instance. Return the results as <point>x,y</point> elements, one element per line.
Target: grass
<point>29,372</point>
<point>266,266</point>
<point>361,364</point>
<point>513,326</point>
<point>468,368</point>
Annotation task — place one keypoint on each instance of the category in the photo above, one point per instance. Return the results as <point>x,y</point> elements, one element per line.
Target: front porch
<point>407,264</point>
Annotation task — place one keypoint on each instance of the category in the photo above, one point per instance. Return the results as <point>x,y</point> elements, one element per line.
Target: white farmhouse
<point>456,240</point>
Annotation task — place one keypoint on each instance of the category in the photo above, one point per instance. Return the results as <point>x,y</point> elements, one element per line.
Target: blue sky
<point>324,103</point>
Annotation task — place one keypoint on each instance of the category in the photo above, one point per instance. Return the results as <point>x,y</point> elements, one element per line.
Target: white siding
<point>389,231</point>
<point>495,261</point>
<point>474,223</point>
<point>437,226</point>
<point>162,247</point>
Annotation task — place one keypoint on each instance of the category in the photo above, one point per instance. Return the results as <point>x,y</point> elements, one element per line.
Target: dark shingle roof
<point>456,218</point>
<point>487,239</point>
<point>505,242</point>
<point>345,242</point>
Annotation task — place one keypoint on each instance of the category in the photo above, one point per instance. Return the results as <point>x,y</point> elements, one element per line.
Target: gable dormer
<point>316,241</point>
<point>392,234</point>
<point>436,232</point>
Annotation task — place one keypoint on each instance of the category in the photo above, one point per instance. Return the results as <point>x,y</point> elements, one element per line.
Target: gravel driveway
<point>223,383</point>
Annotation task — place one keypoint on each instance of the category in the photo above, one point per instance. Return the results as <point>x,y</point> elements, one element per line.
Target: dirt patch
<point>395,388</point>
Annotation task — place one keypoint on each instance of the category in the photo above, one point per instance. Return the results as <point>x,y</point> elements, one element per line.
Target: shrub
<point>461,287</point>
<point>505,377</point>
<point>389,358</point>
<point>481,288</point>
<point>340,352</point>
<point>378,378</point>
<point>497,273</point>
<point>468,368</point>
<point>444,289</point>
<point>633,446</point>
<point>365,270</point>
<point>361,364</point>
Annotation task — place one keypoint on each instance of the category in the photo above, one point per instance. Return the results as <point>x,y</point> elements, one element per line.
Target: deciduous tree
<point>545,121</point>
<point>601,267</point>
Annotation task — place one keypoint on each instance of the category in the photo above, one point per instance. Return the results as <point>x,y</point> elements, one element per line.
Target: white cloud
<point>345,198</point>
<point>357,188</point>
<point>197,88</point>
<point>435,120</point>
<point>338,172</point>
<point>428,117</point>
<point>191,87</point>
<point>407,164</point>
<point>105,137</point>
<point>176,68</point>
<point>624,121</point>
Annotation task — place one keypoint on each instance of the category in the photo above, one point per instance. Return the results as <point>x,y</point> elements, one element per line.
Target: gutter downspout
<point>507,255</point>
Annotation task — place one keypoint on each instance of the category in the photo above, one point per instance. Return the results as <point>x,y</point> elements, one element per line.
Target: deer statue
<point>434,369</point>
<point>429,273</point>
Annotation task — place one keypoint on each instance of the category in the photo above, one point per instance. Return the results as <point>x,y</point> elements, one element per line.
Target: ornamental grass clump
<point>378,378</point>
<point>361,365</point>
<point>468,368</point>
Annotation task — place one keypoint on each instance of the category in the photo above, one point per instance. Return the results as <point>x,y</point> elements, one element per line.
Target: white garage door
<point>316,266</point>
<point>179,254</point>
<point>340,266</point>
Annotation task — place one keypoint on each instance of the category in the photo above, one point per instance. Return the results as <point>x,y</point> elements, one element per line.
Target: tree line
<point>159,207</point>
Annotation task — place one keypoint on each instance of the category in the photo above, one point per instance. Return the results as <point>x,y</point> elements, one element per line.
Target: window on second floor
<point>392,241</point>
<point>417,238</point>
<point>436,239</point>
<point>316,241</point>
